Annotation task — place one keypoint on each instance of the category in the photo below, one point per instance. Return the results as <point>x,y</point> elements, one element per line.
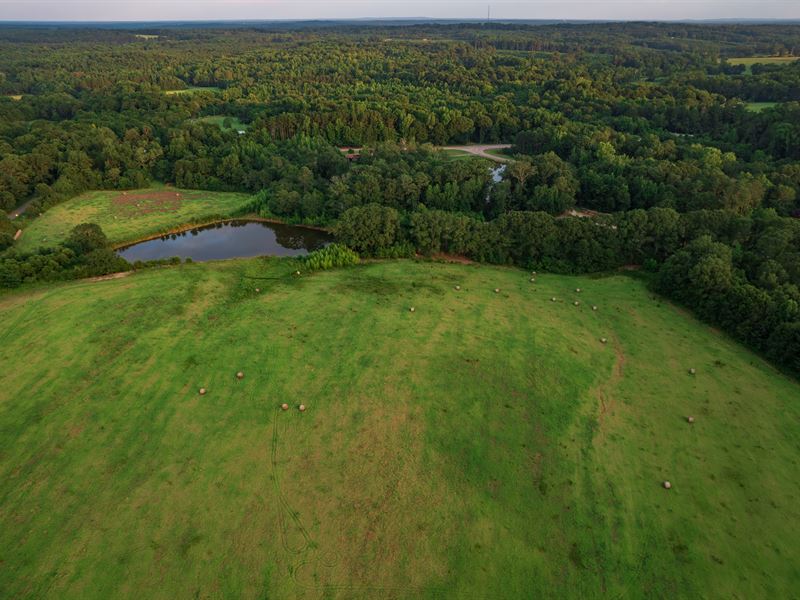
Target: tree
<point>369,229</point>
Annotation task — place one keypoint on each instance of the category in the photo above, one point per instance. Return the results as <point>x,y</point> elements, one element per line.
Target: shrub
<point>331,257</point>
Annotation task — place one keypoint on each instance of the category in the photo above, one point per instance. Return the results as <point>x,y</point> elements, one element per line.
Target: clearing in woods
<point>487,445</point>
<point>193,90</point>
<point>127,216</point>
<point>749,61</point>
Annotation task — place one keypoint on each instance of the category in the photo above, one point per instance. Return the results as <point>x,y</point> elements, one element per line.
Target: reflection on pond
<point>230,239</point>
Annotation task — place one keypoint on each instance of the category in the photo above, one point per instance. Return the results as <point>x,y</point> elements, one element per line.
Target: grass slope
<point>485,446</point>
<point>131,215</point>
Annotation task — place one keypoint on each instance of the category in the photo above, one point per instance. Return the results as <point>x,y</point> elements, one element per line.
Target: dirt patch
<point>605,393</point>
<point>452,258</point>
<point>133,205</point>
<point>112,276</point>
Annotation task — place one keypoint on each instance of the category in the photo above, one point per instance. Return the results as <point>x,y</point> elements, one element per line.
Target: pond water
<point>230,239</point>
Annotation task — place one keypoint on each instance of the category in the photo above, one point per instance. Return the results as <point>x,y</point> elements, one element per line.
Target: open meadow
<point>131,215</point>
<point>749,61</point>
<point>486,445</point>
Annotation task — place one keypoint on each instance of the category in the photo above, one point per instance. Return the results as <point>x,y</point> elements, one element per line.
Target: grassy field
<point>749,61</point>
<point>487,445</point>
<point>131,215</point>
<point>191,90</point>
<point>452,154</point>
<point>219,121</point>
<point>759,106</point>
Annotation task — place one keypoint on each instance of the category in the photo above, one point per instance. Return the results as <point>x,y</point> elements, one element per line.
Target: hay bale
<point>240,375</point>
<point>578,290</point>
<point>412,309</point>
<point>297,272</point>
<point>690,419</point>
<point>258,290</point>
<point>553,299</point>
<point>284,406</point>
<point>458,287</point>
<point>576,303</point>
<point>533,279</point>
<point>667,485</point>
<point>496,290</point>
<point>594,308</point>
<point>692,371</point>
<point>202,391</point>
<point>533,273</point>
<point>302,408</point>
<point>603,341</point>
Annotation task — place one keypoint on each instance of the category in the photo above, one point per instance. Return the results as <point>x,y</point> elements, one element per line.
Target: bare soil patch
<point>132,205</point>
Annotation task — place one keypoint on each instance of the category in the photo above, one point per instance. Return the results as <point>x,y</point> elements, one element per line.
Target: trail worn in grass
<point>487,445</point>
<point>131,215</point>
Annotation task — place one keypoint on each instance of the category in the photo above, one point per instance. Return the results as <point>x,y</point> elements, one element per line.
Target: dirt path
<point>605,392</point>
<point>481,150</point>
<point>20,210</point>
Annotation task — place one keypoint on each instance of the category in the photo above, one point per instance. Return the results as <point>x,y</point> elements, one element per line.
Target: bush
<point>331,257</point>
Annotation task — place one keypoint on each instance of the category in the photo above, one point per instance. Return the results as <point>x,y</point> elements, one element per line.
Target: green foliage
<point>333,256</point>
<point>369,228</point>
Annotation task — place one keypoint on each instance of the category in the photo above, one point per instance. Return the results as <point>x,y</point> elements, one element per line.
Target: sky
<point>158,10</point>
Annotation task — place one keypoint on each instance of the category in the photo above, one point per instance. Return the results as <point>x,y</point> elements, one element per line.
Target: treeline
<point>95,113</point>
<point>85,253</point>
<point>741,273</point>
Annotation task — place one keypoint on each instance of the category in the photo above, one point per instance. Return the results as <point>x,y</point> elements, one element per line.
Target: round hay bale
<point>576,303</point>
<point>667,485</point>
<point>297,272</point>
<point>202,391</point>
<point>284,406</point>
<point>412,309</point>
<point>258,290</point>
<point>496,290</point>
<point>553,299</point>
<point>533,279</point>
<point>594,308</point>
<point>458,287</point>
<point>302,408</point>
<point>240,375</point>
<point>603,341</point>
<point>533,273</point>
<point>692,371</point>
<point>578,290</point>
<point>690,419</point>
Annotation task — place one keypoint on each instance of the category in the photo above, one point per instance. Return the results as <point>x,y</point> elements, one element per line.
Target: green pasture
<point>749,61</point>
<point>485,445</point>
<point>132,214</point>
<point>760,106</point>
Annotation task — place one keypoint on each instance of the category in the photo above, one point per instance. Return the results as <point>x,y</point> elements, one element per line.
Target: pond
<point>230,239</point>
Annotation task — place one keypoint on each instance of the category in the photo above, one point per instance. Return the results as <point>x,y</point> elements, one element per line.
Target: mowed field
<point>486,445</point>
<point>131,215</point>
<point>749,61</point>
<point>760,106</point>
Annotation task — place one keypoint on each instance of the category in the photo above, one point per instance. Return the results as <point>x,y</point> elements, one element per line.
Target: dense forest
<point>650,132</point>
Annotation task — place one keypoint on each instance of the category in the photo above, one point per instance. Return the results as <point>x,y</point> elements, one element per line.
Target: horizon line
<point>429,19</point>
